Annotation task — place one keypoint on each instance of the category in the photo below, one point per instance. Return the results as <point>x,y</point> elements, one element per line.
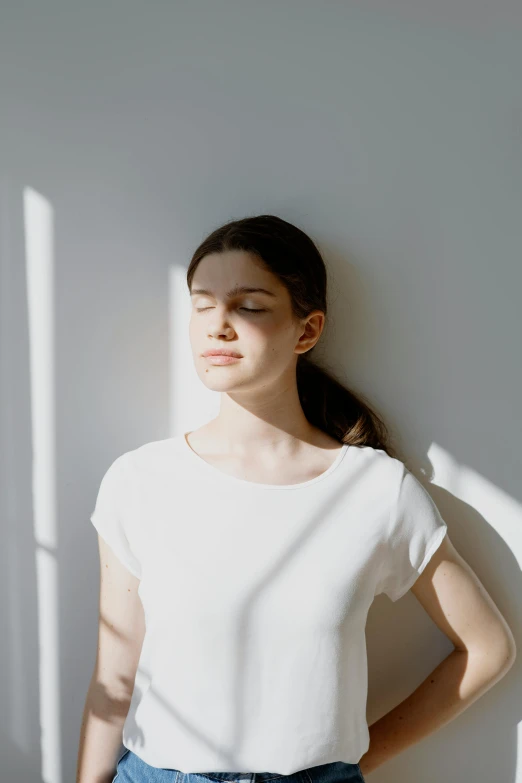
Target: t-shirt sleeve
<point>416,532</point>
<point>109,517</point>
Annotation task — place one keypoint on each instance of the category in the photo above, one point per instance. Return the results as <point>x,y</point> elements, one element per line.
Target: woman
<point>239,561</point>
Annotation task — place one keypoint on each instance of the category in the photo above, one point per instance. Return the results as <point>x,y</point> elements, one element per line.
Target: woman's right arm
<point>121,628</point>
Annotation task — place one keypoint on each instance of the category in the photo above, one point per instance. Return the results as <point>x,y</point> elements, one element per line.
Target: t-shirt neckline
<point>211,469</point>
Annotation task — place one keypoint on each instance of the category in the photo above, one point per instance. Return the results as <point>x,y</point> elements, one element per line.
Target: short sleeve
<point>108,516</point>
<point>416,532</point>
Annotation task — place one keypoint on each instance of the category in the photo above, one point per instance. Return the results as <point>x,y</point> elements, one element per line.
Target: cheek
<point>196,327</point>
<point>191,330</point>
<point>270,337</point>
<point>277,325</point>
<point>282,335</point>
<point>278,343</point>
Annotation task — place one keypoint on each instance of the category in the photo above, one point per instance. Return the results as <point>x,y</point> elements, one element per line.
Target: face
<point>257,325</point>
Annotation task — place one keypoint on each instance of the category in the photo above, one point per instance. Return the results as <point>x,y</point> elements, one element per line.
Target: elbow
<point>508,649</point>
<point>511,653</point>
<point>107,704</point>
<point>506,661</point>
<point>499,654</point>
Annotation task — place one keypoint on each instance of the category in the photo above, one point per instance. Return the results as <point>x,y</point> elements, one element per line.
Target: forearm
<point>100,736</point>
<point>459,680</point>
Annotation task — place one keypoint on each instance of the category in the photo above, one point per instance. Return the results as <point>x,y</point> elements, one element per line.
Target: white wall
<point>391,133</point>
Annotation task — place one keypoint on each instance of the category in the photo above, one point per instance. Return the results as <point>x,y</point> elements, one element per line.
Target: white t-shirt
<point>255,599</point>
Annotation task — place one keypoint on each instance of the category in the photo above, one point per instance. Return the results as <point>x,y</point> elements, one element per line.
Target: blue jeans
<point>131,769</point>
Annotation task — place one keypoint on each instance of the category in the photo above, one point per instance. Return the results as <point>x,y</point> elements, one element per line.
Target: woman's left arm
<point>457,602</point>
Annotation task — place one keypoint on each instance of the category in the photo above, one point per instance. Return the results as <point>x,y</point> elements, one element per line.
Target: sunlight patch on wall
<point>39,255</point>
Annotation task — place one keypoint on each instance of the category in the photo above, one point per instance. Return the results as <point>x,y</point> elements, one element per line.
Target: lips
<point>222,352</point>
<point>221,358</point>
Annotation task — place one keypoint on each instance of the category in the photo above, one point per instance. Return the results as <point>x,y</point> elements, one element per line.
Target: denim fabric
<point>131,769</point>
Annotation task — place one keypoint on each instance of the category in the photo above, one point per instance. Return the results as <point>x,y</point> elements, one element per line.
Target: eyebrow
<point>236,291</point>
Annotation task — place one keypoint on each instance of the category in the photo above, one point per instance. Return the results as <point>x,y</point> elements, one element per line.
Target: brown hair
<point>292,256</point>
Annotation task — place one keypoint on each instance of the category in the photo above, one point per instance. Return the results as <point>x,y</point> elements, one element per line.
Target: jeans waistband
<point>243,777</point>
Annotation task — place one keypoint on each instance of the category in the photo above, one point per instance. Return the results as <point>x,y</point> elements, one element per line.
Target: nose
<point>219,326</point>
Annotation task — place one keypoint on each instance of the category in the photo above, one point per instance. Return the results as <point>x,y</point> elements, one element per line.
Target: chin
<point>218,382</point>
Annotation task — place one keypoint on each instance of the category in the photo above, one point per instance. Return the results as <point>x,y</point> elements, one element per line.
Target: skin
<point>458,603</point>
<point>121,629</point>
<point>261,434</point>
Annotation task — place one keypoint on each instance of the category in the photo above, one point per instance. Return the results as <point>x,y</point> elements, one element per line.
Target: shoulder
<point>153,456</point>
<point>380,461</point>
<point>374,478</point>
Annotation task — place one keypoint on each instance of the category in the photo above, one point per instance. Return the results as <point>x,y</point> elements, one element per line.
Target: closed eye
<point>248,309</point>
